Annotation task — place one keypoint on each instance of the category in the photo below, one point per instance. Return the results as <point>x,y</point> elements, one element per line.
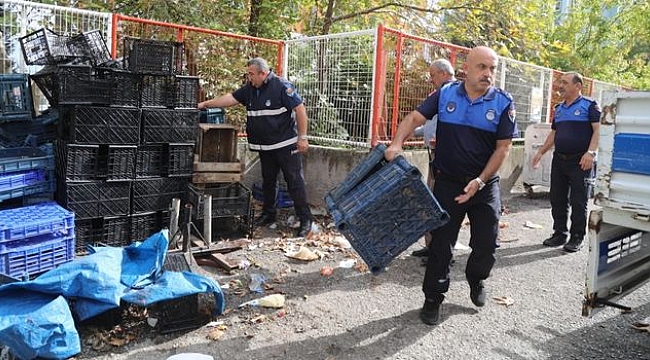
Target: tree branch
<point>411,7</point>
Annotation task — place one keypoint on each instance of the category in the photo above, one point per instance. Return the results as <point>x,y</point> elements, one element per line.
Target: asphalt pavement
<point>533,310</point>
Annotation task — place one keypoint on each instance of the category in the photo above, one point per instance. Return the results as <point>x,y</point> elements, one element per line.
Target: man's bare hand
<point>392,152</point>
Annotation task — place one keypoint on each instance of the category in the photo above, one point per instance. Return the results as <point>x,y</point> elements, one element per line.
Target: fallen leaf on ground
<point>503,224</point>
<point>532,225</point>
<point>215,334</point>
<point>258,319</point>
<point>504,300</point>
<point>303,254</point>
<point>327,271</point>
<point>644,328</point>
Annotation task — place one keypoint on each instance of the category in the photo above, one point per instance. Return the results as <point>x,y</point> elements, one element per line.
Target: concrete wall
<point>324,168</point>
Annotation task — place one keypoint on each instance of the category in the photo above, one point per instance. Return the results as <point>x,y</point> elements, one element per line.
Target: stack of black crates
<point>126,134</point>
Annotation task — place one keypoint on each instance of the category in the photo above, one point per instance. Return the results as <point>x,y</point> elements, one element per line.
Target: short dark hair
<point>577,78</point>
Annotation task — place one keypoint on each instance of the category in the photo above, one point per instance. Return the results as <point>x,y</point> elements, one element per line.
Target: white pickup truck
<point>619,231</point>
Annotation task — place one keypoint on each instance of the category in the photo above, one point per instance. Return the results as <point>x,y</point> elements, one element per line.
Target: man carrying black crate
<point>276,127</point>
<point>476,124</point>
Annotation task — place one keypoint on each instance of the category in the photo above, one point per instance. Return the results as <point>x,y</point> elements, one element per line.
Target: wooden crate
<point>217,172</point>
<point>217,143</point>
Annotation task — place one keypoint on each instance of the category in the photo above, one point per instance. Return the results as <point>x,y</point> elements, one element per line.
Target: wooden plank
<point>223,261</point>
<point>205,178</point>
<point>218,166</point>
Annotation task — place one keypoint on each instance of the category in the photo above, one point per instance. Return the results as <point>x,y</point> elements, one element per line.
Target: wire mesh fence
<point>334,75</point>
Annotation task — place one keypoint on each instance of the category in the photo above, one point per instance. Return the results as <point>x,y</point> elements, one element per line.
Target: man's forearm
<point>496,160</point>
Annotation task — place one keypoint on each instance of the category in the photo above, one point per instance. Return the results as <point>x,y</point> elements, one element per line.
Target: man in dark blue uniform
<point>574,133</point>
<point>276,127</point>
<point>476,124</point>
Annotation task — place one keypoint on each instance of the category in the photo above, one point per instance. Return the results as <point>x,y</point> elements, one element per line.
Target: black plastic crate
<point>181,158</point>
<point>87,233</point>
<point>157,194</point>
<point>46,47</point>
<point>102,231</point>
<point>146,224</point>
<point>157,91</point>
<point>78,84</point>
<point>150,161</point>
<point>186,91</point>
<point>126,86</point>
<point>76,162</point>
<point>100,125</point>
<point>92,46</point>
<point>169,125</point>
<point>47,82</point>
<point>117,162</point>
<point>15,98</point>
<point>227,200</point>
<point>181,313</point>
<point>95,198</point>
<point>153,56</point>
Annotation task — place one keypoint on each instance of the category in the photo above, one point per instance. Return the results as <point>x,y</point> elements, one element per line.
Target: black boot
<point>305,228</point>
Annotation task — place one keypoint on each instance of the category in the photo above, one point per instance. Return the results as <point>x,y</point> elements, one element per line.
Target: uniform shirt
<point>572,125</point>
<point>270,122</point>
<point>468,130</point>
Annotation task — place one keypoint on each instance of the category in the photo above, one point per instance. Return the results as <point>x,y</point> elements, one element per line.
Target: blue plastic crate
<point>45,187</point>
<point>37,255</point>
<point>21,179</point>
<point>373,162</point>
<point>26,163</point>
<point>283,200</point>
<point>36,220</point>
<point>386,213</point>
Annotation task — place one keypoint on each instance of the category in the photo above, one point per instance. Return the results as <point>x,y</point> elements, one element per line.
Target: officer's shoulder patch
<point>289,89</point>
<point>512,113</point>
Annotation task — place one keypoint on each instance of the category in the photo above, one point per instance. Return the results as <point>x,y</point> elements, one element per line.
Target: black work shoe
<point>477,293</point>
<point>264,219</point>
<point>420,253</point>
<point>305,228</point>
<point>555,240</point>
<point>430,313</point>
<point>574,244</point>
<point>424,261</point>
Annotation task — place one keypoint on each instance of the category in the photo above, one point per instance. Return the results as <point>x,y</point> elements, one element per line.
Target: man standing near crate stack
<point>476,124</point>
<point>276,126</point>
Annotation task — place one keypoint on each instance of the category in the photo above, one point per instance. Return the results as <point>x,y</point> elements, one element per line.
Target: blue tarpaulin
<point>36,320</point>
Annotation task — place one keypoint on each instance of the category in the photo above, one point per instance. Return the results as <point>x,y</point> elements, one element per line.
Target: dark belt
<point>572,156</point>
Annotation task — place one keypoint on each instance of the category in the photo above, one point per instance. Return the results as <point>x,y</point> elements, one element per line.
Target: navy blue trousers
<point>484,212</point>
<point>290,162</point>
<point>570,185</point>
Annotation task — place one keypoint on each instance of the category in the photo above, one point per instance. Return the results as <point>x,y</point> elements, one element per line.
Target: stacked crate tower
<point>126,135</point>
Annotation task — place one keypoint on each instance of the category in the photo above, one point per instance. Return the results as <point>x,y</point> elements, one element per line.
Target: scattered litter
<point>293,222</point>
<point>509,240</point>
<point>327,271</point>
<point>644,328</point>
<point>503,224</point>
<point>461,246</point>
<point>303,254</point>
<point>151,321</point>
<point>269,301</point>
<point>243,264</point>
<point>258,319</point>
<point>347,264</point>
<point>315,229</point>
<point>190,356</point>
<point>273,226</point>
<point>532,225</point>
<point>504,300</point>
<point>215,323</point>
<point>257,283</point>
<point>281,313</point>
<point>341,242</point>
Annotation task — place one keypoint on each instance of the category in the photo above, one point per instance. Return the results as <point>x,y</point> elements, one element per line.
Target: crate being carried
<point>383,207</point>
<point>34,239</point>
